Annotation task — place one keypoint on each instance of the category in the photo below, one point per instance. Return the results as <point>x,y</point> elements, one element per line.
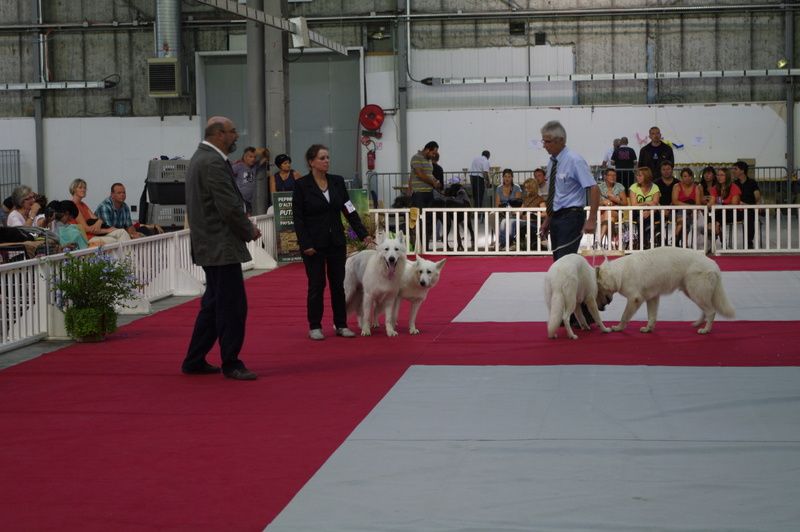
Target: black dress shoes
<point>205,369</point>
<point>241,374</point>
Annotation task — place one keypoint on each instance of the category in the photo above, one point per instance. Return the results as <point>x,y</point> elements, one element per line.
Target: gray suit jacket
<point>218,224</point>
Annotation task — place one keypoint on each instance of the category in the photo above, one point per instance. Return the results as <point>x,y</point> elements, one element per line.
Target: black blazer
<point>317,222</point>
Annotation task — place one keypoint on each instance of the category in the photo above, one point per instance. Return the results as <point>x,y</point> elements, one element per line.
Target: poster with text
<point>285,237</point>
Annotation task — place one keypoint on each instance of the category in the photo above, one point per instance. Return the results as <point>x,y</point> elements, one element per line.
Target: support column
<point>38,68</point>
<point>256,96</point>
<point>402,85</point>
<point>277,83</point>
<point>789,52</point>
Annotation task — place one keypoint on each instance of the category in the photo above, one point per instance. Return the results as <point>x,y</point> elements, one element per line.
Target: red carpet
<point>111,437</point>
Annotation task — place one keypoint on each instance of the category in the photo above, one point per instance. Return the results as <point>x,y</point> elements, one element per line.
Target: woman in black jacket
<point>318,201</point>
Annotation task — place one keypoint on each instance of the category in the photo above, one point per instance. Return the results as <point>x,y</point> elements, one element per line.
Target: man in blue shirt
<point>115,213</point>
<point>568,178</point>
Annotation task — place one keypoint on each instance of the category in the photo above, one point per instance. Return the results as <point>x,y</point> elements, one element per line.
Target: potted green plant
<point>88,289</point>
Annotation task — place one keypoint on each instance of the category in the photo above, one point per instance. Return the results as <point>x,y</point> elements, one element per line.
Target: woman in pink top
<point>725,193</point>
<point>686,192</point>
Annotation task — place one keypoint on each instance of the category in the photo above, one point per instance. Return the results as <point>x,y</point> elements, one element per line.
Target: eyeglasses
<point>229,130</point>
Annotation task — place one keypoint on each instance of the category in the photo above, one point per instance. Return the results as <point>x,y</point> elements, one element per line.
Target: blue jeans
<point>566,227</point>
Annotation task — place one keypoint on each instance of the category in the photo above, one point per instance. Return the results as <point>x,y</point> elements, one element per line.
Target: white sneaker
<point>316,334</point>
<point>345,333</point>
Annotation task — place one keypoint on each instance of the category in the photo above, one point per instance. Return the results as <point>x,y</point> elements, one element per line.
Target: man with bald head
<point>219,230</point>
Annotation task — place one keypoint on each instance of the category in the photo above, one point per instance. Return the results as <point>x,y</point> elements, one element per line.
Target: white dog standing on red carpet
<point>372,282</point>
<point>420,276</point>
<point>645,276</point>
<point>569,282</point>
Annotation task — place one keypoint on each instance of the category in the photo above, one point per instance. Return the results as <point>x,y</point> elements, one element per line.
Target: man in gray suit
<point>219,229</point>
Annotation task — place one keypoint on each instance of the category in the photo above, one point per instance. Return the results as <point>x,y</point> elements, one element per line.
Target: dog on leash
<point>645,276</point>
<point>569,282</point>
<point>372,282</point>
<point>420,276</point>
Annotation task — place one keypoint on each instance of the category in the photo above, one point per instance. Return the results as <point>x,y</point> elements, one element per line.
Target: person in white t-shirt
<point>479,177</point>
<point>25,207</point>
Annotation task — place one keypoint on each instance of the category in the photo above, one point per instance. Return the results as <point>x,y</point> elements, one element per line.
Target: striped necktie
<point>551,186</point>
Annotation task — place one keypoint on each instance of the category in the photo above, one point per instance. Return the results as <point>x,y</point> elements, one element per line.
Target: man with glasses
<point>569,178</point>
<point>219,230</point>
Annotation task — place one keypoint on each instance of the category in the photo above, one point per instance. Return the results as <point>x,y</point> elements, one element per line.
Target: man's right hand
<point>309,252</point>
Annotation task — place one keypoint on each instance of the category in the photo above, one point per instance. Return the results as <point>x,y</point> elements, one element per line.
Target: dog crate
<point>166,192</point>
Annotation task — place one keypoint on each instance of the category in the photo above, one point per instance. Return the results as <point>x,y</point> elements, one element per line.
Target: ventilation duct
<point>164,70</point>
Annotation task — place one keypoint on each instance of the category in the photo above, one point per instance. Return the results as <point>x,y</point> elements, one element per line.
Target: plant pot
<point>90,324</point>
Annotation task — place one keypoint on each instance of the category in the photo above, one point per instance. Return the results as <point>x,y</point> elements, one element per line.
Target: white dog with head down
<point>644,276</point>
<point>372,282</point>
<point>569,282</point>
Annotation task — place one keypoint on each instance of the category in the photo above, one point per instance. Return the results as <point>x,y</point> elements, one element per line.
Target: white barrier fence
<point>162,263</point>
<point>740,229</point>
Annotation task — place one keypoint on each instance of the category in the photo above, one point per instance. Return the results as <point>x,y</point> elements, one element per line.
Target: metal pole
<point>39,61</point>
<point>256,99</point>
<point>402,86</point>
<point>789,51</point>
<point>276,83</point>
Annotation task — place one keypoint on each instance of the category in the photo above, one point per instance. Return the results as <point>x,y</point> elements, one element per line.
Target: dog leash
<point>568,244</point>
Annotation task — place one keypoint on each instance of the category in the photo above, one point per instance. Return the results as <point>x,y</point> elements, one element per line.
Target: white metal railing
<point>513,231</point>
<point>163,263</point>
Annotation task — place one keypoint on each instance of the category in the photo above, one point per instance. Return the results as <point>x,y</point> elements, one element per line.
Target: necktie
<point>230,166</point>
<point>551,186</point>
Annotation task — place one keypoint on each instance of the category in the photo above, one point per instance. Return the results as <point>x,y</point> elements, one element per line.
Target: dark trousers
<point>478,189</point>
<point>328,261</point>
<point>423,200</point>
<point>222,316</point>
<point>566,227</point>
<point>751,227</point>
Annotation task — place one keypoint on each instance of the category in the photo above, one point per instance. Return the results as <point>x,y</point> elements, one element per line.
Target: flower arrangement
<point>355,244</point>
<point>89,288</point>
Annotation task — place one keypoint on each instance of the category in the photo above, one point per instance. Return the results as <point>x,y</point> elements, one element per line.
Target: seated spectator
<point>666,182</point>
<point>612,194</point>
<point>5,209</point>
<point>751,195</point>
<point>24,207</point>
<point>244,173</point>
<point>88,220</point>
<point>283,180</point>
<point>117,214</point>
<point>70,235</point>
<point>531,200</point>
<point>541,181</point>
<point>507,194</point>
<point>645,193</point>
<point>45,217</point>
<point>708,181</point>
<point>725,193</point>
<point>687,192</point>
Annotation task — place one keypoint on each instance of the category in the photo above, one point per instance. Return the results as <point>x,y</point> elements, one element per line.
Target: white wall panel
<point>105,150</point>
<point>708,133</point>
<point>20,134</point>
<point>491,62</point>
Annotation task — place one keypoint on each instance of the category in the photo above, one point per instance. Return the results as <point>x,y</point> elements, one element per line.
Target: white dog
<point>644,276</point>
<point>569,282</point>
<point>372,281</point>
<point>420,276</point>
